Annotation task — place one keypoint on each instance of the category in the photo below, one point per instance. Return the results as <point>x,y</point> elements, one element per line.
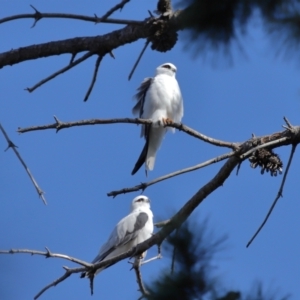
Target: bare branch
<point>136,266</point>
<point>38,15</point>
<point>54,283</point>
<point>113,9</point>
<point>62,125</point>
<point>279,194</point>
<point>138,59</point>
<point>47,254</point>
<point>144,185</point>
<point>61,71</point>
<point>98,61</point>
<point>13,146</point>
<point>101,44</point>
<point>178,126</point>
<point>200,136</point>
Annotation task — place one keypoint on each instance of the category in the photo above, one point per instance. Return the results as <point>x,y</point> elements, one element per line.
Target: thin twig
<point>61,71</point>
<point>290,126</point>
<point>13,146</point>
<point>138,59</point>
<point>37,16</point>
<point>113,9</point>
<point>54,283</point>
<point>238,168</point>
<point>98,61</point>
<point>144,185</point>
<point>279,194</point>
<point>47,254</point>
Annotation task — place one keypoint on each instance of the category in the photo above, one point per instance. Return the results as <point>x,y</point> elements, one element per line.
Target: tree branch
<point>61,71</point>
<point>179,126</point>
<point>47,254</point>
<point>13,146</point>
<point>61,125</point>
<point>113,9</point>
<point>67,274</point>
<point>200,136</point>
<point>279,194</point>
<point>38,15</point>
<point>138,59</point>
<point>144,185</point>
<point>101,45</point>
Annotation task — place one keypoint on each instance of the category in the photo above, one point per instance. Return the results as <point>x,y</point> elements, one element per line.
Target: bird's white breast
<point>163,99</point>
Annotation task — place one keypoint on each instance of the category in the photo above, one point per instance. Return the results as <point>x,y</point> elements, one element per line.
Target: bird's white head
<point>166,68</point>
<point>140,201</point>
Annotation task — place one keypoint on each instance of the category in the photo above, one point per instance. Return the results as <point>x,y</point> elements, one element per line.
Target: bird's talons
<point>167,121</point>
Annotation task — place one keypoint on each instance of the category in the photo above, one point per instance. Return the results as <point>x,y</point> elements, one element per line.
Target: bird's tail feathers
<point>141,159</point>
<point>156,136</point>
<point>89,274</point>
<point>86,275</point>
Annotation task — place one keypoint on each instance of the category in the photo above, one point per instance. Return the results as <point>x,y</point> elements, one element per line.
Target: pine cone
<point>267,160</point>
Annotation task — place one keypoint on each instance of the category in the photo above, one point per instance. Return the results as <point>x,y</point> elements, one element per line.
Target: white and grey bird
<point>129,232</point>
<point>159,99</point>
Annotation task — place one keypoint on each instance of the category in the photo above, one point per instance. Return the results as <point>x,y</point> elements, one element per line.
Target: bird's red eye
<point>167,67</point>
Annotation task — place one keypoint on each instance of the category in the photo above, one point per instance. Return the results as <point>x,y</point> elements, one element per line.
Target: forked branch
<point>61,71</point>
<point>294,130</point>
<point>279,194</point>
<point>13,147</point>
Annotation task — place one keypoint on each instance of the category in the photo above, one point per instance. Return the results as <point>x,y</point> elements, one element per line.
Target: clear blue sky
<point>225,99</point>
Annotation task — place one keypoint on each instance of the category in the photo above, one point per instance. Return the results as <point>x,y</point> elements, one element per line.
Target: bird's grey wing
<point>125,231</point>
<point>138,109</point>
<point>134,225</point>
